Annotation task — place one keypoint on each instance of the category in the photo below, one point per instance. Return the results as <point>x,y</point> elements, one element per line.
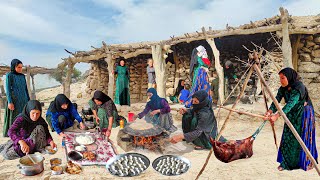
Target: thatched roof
<point>297,25</point>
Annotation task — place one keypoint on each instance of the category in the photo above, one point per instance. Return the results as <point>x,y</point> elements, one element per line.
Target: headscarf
<point>228,63</point>
<point>14,64</point>
<point>28,124</point>
<point>202,51</point>
<point>193,61</point>
<point>294,83</point>
<point>179,88</point>
<point>55,105</point>
<point>99,95</point>
<point>204,101</point>
<point>155,100</point>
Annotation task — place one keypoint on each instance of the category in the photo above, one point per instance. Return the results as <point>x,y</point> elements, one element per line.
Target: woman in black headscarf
<point>198,123</point>
<point>29,133</point>
<point>300,113</point>
<point>61,114</point>
<point>175,97</point>
<point>104,111</point>
<point>17,94</point>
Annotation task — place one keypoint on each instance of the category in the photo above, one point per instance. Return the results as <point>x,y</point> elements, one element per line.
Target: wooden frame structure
<point>255,67</point>
<point>284,25</point>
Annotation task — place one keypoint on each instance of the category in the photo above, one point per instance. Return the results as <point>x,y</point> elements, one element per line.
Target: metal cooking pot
<point>28,168</point>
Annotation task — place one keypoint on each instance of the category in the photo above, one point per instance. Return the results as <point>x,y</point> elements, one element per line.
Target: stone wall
<point>98,77</point>
<point>309,65</point>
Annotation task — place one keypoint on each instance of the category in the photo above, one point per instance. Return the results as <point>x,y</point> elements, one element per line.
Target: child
<point>184,93</point>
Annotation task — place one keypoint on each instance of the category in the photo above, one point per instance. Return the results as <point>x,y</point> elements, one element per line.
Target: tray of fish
<point>170,165</point>
<point>128,165</point>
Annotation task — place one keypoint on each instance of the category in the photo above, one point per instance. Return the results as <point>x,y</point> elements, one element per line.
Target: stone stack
<point>98,77</point>
<point>170,83</point>
<point>309,65</point>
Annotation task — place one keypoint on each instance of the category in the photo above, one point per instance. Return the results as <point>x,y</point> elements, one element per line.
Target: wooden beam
<point>295,48</point>
<point>286,44</point>
<point>160,69</point>
<point>110,61</point>
<point>286,120</point>
<point>33,94</point>
<point>242,112</point>
<point>28,80</point>
<point>218,68</point>
<point>136,53</point>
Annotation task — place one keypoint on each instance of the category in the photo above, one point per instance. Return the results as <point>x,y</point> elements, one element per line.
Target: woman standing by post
<point>122,96</point>
<point>17,94</point>
<point>300,113</point>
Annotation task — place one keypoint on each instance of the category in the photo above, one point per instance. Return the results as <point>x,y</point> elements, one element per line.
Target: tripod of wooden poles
<point>256,67</point>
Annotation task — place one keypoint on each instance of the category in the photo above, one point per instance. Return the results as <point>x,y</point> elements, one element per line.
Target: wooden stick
<point>286,120</point>
<point>242,112</point>
<point>235,104</point>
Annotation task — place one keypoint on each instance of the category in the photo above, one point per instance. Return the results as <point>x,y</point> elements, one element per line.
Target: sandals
<point>280,168</point>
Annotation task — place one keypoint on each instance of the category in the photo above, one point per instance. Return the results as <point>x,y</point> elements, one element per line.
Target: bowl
<point>75,155</point>
<point>80,148</point>
<point>55,162</point>
<point>84,139</point>
<point>56,170</point>
<point>49,150</point>
<point>89,155</point>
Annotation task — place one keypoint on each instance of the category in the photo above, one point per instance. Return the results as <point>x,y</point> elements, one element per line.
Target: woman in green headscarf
<point>122,95</point>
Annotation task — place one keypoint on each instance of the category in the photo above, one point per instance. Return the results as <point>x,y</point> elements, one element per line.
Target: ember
<point>146,142</point>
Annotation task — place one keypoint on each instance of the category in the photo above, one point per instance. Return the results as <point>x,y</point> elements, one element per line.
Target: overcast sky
<point>37,31</point>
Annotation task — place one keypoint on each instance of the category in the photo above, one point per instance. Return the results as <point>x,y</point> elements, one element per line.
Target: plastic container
<point>63,142</point>
<point>130,116</point>
<point>121,123</point>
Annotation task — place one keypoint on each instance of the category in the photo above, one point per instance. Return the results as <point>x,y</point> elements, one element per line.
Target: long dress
<point>104,111</point>
<point>122,95</point>
<point>17,93</point>
<point>200,81</point>
<point>290,150</point>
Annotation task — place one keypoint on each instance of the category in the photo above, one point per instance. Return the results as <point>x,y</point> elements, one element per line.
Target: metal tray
<point>144,158</point>
<point>185,160</point>
<point>79,135</point>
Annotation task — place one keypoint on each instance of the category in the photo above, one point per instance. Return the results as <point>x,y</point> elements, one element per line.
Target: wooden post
<point>235,103</point>
<point>160,69</point>
<point>28,80</point>
<point>176,74</point>
<point>142,81</point>
<point>286,44</point>
<point>286,120</point>
<point>295,55</point>
<point>33,96</point>
<point>218,68</point>
<point>67,82</point>
<point>110,62</point>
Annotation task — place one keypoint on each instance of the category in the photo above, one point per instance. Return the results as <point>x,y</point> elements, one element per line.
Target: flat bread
<point>141,125</point>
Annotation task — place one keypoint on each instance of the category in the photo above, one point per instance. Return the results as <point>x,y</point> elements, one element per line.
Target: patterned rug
<point>104,149</point>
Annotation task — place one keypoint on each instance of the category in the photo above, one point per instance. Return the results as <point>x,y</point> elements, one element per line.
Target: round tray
<point>115,158</point>
<point>185,160</point>
<point>79,135</point>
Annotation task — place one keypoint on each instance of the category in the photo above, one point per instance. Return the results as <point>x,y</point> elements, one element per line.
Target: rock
<point>308,75</point>
<point>170,91</point>
<point>309,38</point>
<point>316,47</point>
<point>310,44</point>
<point>304,49</point>
<point>93,84</point>
<point>300,45</point>
<point>316,80</point>
<point>316,53</point>
<point>317,39</point>
<point>305,57</point>
<point>316,60</point>
<point>308,67</point>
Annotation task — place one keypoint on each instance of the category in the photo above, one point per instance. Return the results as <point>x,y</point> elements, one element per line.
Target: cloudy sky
<point>37,31</point>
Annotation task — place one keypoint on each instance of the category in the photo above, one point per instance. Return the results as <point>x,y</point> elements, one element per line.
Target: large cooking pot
<point>27,167</point>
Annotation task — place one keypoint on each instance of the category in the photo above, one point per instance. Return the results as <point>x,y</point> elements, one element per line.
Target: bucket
<point>130,116</point>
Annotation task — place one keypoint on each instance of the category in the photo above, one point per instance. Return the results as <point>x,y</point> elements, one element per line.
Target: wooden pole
<point>242,112</point>
<point>28,81</point>
<point>67,82</point>
<point>286,120</point>
<point>218,68</point>
<point>33,97</point>
<point>295,55</point>
<point>236,102</point>
<point>286,44</point>
<point>160,69</point>
<point>110,62</point>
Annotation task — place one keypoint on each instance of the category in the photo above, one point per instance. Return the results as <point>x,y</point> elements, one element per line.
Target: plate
<point>75,155</point>
<point>184,160</point>
<point>113,160</point>
<point>49,150</point>
<point>71,171</point>
<point>89,137</point>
